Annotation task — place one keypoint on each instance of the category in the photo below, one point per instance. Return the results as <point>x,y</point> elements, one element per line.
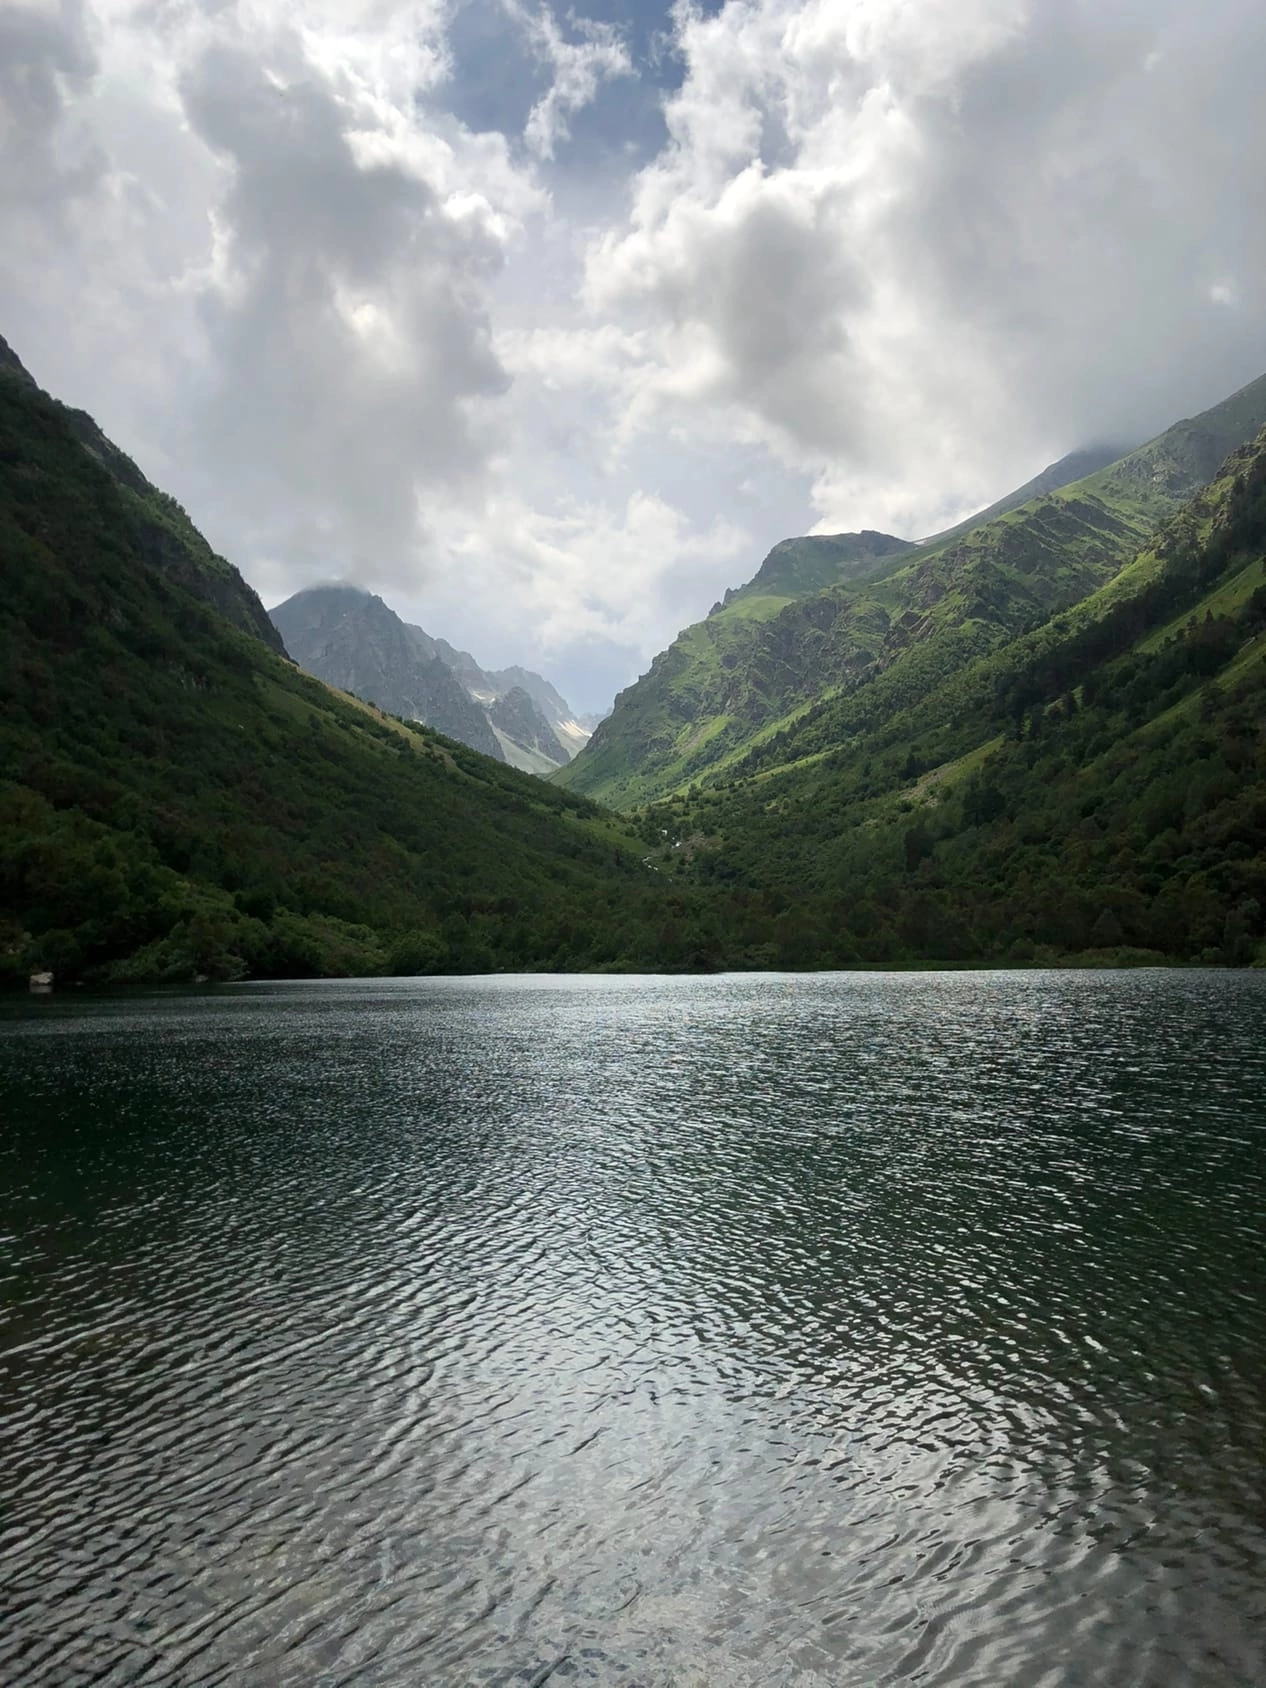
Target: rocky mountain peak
<point>352,639</point>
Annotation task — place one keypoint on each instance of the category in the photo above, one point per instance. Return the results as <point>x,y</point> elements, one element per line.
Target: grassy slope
<point>1077,466</point>
<point>745,675</point>
<point>795,568</point>
<point>176,798</point>
<point>1095,783</point>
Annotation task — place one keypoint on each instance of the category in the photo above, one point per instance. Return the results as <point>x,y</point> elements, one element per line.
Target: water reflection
<point>859,1329</point>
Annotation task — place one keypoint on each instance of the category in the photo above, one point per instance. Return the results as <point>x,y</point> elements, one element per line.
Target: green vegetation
<point>754,667</point>
<point>179,800</point>
<point>1042,740</point>
<point>161,531</point>
<point>1095,788</point>
<point>797,568</point>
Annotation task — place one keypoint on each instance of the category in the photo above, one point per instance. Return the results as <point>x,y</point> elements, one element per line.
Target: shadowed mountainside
<point>162,531</point>
<point>177,799</point>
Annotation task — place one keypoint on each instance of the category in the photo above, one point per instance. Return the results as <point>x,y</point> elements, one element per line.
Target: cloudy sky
<point>546,323</point>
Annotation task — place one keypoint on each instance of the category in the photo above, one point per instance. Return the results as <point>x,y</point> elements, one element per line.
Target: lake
<point>850,1329</point>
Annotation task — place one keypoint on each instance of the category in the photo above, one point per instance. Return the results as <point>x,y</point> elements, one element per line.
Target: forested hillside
<point>178,799</point>
<point>1097,785</point>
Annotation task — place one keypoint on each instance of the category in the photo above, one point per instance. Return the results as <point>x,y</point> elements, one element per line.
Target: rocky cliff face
<point>486,685</point>
<point>351,640</point>
<point>481,686</point>
<point>516,715</point>
<point>572,731</point>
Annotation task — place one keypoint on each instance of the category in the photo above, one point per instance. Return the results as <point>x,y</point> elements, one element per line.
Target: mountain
<point>1093,786</point>
<point>350,638</point>
<point>785,645</point>
<point>1077,466</point>
<point>163,532</point>
<point>573,730</point>
<point>177,799</point>
<point>487,684</point>
<point>519,723</point>
<point>797,567</point>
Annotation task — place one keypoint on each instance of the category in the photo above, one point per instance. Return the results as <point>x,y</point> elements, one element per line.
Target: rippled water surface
<point>849,1330</point>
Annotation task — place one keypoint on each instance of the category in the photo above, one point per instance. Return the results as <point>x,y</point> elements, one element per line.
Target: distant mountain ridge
<point>522,731</point>
<point>350,638</point>
<point>488,683</point>
<point>573,729</point>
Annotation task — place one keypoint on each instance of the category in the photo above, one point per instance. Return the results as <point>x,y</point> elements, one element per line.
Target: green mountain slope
<point>745,676</point>
<point>1077,466</point>
<point>796,568</point>
<point>178,799</point>
<point>1097,784</point>
<point>162,532</point>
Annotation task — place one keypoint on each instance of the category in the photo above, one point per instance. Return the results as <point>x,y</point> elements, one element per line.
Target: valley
<point>1035,739</point>
<point>179,801</point>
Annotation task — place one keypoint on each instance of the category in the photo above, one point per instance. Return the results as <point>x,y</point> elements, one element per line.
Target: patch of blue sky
<point>499,74</point>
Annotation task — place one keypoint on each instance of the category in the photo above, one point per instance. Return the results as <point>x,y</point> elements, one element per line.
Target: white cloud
<point>892,256</point>
<point>353,319</point>
<point>46,63</point>
<point>590,571</point>
<point>911,245</point>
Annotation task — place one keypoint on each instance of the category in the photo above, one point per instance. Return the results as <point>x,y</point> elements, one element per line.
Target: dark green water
<point>847,1330</point>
